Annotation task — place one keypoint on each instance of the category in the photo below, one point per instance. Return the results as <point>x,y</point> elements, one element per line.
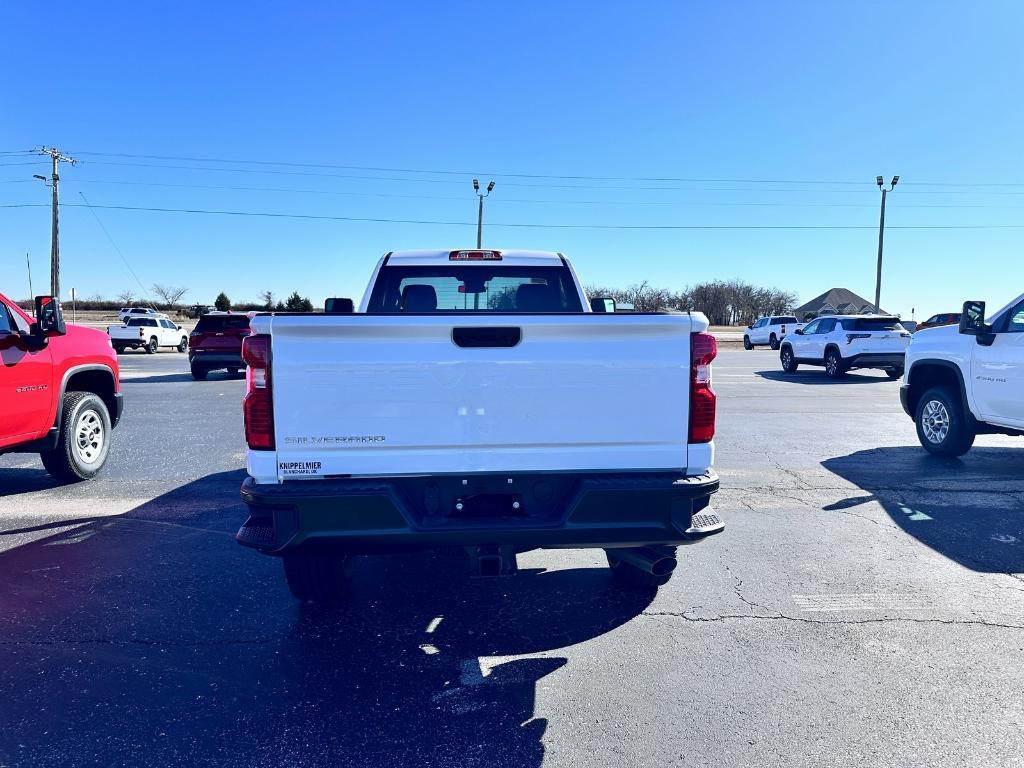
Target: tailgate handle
<point>486,337</point>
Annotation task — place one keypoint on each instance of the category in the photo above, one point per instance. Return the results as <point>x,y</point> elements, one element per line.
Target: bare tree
<point>127,298</point>
<point>169,293</point>
<point>267,297</point>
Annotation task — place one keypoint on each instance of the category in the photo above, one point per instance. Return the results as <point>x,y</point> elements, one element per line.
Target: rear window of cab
<point>456,288</point>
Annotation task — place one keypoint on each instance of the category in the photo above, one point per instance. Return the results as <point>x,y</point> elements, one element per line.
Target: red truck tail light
<point>258,406</point>
<point>703,349</point>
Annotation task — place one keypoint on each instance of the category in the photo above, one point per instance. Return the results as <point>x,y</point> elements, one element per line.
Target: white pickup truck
<point>966,380</point>
<point>474,400</point>
<point>149,333</point>
<point>770,330</point>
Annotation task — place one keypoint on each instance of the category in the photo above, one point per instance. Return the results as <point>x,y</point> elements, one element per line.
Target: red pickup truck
<point>59,390</point>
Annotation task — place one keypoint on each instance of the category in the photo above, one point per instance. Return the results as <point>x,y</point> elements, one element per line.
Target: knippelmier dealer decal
<point>299,467</point>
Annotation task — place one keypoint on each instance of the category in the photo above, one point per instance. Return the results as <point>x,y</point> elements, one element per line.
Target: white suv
<point>842,342</point>
<point>127,313</point>
<point>967,380</point>
<point>770,331</point>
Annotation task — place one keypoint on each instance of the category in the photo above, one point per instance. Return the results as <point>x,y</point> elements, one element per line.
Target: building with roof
<point>836,301</point>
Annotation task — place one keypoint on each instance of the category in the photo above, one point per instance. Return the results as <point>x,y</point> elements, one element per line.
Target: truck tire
<point>894,373</point>
<point>183,344</point>
<point>316,577</point>
<point>942,426</point>
<point>631,577</point>
<point>119,349</point>
<point>834,367</point>
<point>773,341</point>
<point>198,372</point>
<point>84,440</point>
<point>151,347</point>
<point>789,363</point>
<point>746,343</point>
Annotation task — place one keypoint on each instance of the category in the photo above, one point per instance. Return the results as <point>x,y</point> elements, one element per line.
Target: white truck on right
<point>963,381</point>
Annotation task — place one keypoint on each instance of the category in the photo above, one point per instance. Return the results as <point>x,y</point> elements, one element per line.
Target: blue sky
<point>798,92</point>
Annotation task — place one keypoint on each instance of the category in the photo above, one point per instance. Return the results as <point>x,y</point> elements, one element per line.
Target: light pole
<point>881,235</point>
<point>480,210</point>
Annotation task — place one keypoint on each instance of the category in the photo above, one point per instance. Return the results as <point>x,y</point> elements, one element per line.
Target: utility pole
<point>480,210</point>
<point>28,266</point>
<point>57,157</point>
<point>881,236</point>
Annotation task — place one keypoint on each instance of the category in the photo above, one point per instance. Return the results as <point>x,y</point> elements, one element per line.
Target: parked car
<point>943,318</point>
<point>216,343</point>
<point>474,400</point>
<point>770,330</point>
<point>843,342</point>
<point>60,393</point>
<point>968,380</point>
<point>148,333</point>
<point>126,313</point>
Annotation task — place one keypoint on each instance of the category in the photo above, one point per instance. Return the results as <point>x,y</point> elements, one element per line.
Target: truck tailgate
<point>396,395</point>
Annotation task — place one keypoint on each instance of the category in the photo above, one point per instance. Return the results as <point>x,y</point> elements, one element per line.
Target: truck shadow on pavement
<point>152,638</point>
<point>969,509</point>
<point>812,376</point>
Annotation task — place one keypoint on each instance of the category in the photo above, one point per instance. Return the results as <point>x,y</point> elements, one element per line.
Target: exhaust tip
<point>664,566</point>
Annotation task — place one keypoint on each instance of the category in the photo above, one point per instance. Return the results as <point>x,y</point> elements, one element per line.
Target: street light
<point>480,210</point>
<point>881,235</point>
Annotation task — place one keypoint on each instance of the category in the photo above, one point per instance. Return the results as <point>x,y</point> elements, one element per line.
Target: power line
<point>571,177</point>
<point>116,248</point>
<point>292,190</point>
<point>526,225</point>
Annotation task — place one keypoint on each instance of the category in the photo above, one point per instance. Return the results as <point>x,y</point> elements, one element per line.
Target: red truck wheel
<point>84,439</point>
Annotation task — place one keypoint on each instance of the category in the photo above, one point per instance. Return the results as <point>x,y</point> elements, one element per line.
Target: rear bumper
<point>376,515</point>
<point>876,360</point>
<point>216,359</point>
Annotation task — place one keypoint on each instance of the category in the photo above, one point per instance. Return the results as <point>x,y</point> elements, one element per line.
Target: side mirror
<point>972,319</point>
<point>972,323</point>
<point>49,317</point>
<point>602,304</point>
<point>336,306</point>
<point>750,326</point>
<point>180,328</point>
<point>799,331</point>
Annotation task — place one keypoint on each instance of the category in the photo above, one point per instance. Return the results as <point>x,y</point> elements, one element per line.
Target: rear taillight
<point>703,349</point>
<point>851,336</point>
<point>258,406</point>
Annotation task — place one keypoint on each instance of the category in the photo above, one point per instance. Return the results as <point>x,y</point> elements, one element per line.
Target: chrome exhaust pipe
<point>647,559</point>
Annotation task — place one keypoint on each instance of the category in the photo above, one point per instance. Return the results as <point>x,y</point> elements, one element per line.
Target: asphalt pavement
<point>865,605</point>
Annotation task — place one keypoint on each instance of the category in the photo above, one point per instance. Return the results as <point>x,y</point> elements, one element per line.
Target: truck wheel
<point>789,364</point>
<point>119,349</point>
<point>834,367</point>
<point>198,372</point>
<point>773,341</point>
<point>84,439</point>
<point>316,577</point>
<point>941,424</point>
<point>151,346</point>
<point>630,577</point>
<point>894,373</point>
<point>183,344</point>
<point>746,343</point>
